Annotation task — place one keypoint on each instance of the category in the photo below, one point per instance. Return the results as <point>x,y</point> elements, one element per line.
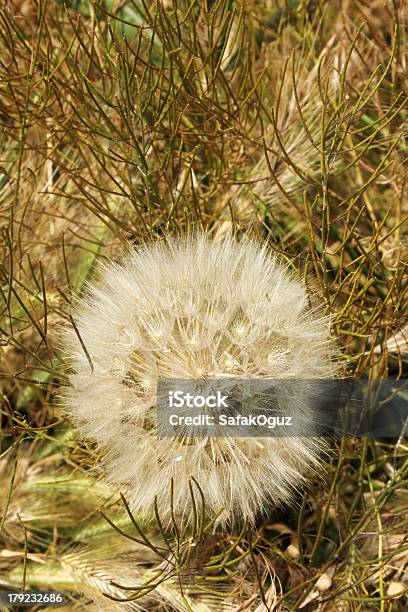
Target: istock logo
<point>178,399</point>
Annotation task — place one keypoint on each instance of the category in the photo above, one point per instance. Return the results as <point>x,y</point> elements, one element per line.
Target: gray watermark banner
<point>231,407</point>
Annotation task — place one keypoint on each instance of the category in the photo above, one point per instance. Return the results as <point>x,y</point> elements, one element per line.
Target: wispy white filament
<point>193,308</point>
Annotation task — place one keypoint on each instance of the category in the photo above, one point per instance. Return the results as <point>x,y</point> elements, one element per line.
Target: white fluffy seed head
<point>193,308</point>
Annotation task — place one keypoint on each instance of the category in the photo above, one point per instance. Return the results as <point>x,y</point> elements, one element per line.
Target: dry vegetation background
<point>125,121</point>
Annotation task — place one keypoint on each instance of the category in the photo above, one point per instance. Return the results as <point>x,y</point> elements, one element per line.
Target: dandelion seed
<point>225,309</point>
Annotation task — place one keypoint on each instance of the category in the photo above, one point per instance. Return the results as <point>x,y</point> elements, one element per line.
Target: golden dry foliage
<point>124,121</point>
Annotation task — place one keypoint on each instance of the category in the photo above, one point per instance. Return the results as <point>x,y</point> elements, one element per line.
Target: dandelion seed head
<point>193,308</point>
